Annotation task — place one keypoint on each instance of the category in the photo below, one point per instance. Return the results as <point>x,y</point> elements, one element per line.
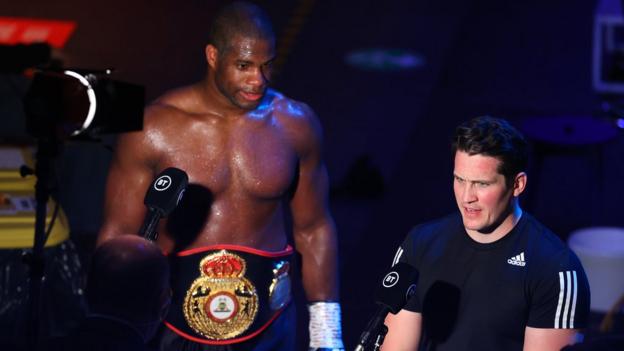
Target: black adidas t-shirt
<point>482,296</point>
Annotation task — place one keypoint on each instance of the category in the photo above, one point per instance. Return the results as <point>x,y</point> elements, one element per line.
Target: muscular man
<point>491,276</point>
<point>250,153</point>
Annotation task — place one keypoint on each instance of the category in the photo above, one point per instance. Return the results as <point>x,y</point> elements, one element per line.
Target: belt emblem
<point>221,303</point>
<point>279,290</point>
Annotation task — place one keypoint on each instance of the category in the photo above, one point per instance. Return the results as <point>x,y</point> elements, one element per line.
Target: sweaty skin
<point>250,150</point>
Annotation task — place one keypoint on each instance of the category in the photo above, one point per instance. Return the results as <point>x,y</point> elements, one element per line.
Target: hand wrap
<point>325,327</point>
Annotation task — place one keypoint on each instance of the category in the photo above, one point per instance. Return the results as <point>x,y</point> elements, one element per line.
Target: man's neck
<point>214,101</point>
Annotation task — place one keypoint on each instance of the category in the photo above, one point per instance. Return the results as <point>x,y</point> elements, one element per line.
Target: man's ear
<point>212,55</point>
<point>519,183</point>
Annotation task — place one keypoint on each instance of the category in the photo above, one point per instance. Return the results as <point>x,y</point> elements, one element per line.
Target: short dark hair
<point>239,18</point>
<point>497,138</point>
<point>127,278</point>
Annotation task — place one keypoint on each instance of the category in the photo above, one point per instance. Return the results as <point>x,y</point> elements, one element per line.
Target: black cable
<point>52,220</point>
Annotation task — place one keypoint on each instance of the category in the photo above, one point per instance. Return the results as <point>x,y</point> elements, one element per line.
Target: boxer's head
<point>239,19</point>
<point>240,52</point>
<point>490,160</point>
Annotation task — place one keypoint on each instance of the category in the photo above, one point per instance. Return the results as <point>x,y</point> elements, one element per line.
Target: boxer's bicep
<point>309,204</point>
<point>315,234</point>
<point>313,226</point>
<point>128,178</point>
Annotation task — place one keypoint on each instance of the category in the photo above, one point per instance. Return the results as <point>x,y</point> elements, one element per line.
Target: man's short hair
<point>127,279</point>
<point>493,137</point>
<point>239,19</point>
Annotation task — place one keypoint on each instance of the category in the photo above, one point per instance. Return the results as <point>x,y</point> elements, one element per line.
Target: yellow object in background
<point>17,203</point>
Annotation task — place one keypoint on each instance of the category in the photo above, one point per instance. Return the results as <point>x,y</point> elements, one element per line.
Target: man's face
<point>482,195</point>
<point>243,70</point>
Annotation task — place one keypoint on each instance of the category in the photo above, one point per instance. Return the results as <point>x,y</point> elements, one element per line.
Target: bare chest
<point>250,162</point>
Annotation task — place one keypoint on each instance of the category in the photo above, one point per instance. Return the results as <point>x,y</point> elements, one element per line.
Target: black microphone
<point>161,198</point>
<point>397,286</point>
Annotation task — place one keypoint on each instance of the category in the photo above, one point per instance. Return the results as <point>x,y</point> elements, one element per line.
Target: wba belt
<point>225,294</point>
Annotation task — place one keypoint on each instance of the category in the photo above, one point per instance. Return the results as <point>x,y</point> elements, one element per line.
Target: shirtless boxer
<point>250,153</point>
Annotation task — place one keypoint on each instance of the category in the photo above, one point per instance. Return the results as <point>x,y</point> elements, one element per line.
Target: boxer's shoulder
<point>290,109</point>
<point>177,110</point>
<point>298,119</point>
<point>160,121</point>
<point>173,103</point>
<point>164,121</point>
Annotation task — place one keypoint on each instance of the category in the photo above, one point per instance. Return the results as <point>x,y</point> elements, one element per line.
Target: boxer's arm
<point>313,226</point>
<point>128,178</point>
<point>315,237</point>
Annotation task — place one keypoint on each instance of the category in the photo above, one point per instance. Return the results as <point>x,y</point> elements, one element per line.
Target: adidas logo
<point>517,260</point>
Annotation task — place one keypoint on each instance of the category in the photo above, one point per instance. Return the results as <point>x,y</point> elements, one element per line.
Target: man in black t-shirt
<point>491,277</point>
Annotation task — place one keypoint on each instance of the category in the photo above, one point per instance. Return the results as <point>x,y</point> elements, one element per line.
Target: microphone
<point>163,195</point>
<point>397,286</point>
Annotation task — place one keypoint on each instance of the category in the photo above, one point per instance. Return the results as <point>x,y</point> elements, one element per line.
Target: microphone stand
<point>148,229</point>
<point>379,339</point>
<point>374,333</point>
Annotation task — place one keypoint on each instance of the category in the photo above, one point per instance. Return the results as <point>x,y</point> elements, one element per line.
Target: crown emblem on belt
<point>223,265</point>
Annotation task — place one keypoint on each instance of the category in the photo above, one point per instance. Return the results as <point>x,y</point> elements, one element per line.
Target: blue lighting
<point>385,59</point>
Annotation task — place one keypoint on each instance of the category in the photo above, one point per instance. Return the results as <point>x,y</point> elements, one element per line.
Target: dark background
<point>387,131</point>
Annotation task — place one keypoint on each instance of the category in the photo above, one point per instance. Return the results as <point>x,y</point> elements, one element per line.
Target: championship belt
<point>226,294</point>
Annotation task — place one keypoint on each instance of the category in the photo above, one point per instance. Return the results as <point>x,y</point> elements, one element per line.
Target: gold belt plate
<point>221,304</point>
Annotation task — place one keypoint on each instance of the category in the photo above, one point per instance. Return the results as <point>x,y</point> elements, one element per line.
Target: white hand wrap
<point>325,327</point>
